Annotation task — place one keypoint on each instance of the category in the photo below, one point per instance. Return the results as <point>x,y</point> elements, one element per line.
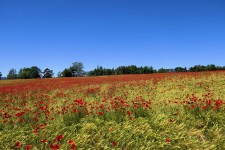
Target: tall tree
<point>146,70</point>
<point>180,69</point>
<point>66,73</point>
<point>0,75</point>
<point>12,74</point>
<point>35,72</point>
<point>77,69</point>
<point>162,70</point>
<point>132,69</point>
<point>197,68</point>
<point>48,73</point>
<point>25,73</point>
<point>211,67</point>
<point>121,70</point>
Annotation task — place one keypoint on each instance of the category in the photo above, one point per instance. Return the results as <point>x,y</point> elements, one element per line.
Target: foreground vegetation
<point>157,111</point>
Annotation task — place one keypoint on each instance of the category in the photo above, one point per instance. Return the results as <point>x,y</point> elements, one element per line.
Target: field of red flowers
<point>156,111</point>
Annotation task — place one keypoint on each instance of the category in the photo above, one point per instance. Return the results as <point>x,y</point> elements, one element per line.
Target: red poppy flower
<point>168,140</point>
<point>177,114</point>
<point>6,116</point>
<point>36,119</point>
<point>209,102</point>
<point>44,141</point>
<point>73,147</point>
<point>71,142</point>
<point>59,137</point>
<point>54,147</point>
<point>36,130</point>
<point>204,107</point>
<point>28,147</point>
<point>18,144</point>
<point>129,113</point>
<point>219,102</point>
<point>43,125</point>
<point>114,143</point>
<point>100,113</point>
<point>20,114</point>
<point>171,120</point>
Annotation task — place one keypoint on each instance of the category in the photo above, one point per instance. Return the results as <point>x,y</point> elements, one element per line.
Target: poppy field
<point>127,112</point>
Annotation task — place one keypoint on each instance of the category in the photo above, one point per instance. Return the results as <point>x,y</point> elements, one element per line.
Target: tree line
<point>77,70</point>
<point>30,73</point>
<point>133,69</point>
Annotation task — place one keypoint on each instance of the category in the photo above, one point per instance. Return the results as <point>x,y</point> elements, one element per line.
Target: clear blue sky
<point>110,33</point>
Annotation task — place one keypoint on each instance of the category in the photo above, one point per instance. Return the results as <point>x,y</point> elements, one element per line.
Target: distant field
<point>156,111</point>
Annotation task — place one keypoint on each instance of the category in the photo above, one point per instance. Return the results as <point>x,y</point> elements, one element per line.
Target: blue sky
<point>111,33</point>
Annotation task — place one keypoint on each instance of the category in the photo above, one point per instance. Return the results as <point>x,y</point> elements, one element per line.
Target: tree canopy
<point>67,73</point>
<point>77,69</point>
<point>12,74</point>
<point>48,73</point>
<point>29,73</point>
<point>35,72</point>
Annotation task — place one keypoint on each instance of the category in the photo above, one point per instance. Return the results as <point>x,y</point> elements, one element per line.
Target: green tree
<point>180,69</point>
<point>100,71</point>
<point>35,72</point>
<point>132,69</point>
<point>211,67</point>
<point>0,75</point>
<point>48,73</point>
<point>146,70</point>
<point>12,74</point>
<point>162,70</point>
<point>121,70</point>
<point>197,68</point>
<point>77,69</point>
<point>29,73</point>
<point>108,71</point>
<point>67,73</point>
<point>25,73</point>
